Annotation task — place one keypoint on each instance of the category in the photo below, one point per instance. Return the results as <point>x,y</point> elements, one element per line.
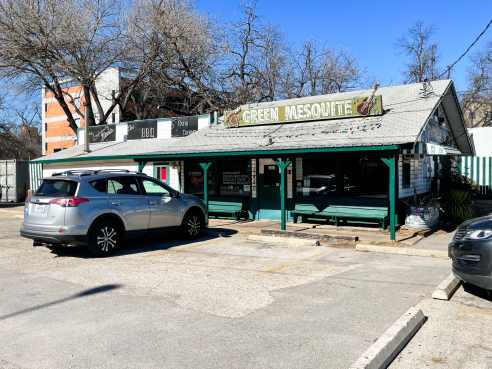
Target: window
<point>100,185</point>
<point>45,108</point>
<point>406,173</point>
<point>57,188</point>
<point>113,117</point>
<point>123,186</point>
<point>153,188</point>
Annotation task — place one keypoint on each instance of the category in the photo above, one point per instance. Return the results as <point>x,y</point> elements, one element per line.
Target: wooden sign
<point>183,126</point>
<point>290,111</point>
<point>142,129</point>
<point>102,133</point>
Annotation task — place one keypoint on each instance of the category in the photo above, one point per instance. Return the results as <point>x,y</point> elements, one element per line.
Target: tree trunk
<point>89,113</point>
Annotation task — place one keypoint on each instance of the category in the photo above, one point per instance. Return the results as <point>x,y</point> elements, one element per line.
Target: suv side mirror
<point>174,194</point>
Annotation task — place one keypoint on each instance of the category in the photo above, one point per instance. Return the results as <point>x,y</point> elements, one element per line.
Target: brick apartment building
<point>56,132</point>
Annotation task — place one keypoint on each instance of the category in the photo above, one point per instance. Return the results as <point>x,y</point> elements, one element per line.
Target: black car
<point>471,252</point>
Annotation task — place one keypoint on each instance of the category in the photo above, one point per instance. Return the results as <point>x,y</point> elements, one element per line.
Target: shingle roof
<point>406,112</point>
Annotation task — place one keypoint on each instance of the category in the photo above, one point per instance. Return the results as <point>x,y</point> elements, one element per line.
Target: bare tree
<point>19,132</point>
<point>257,60</point>
<point>323,71</point>
<point>422,53</point>
<point>52,42</point>
<point>477,99</point>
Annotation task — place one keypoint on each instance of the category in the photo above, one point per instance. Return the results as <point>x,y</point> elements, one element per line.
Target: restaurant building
<point>351,157</point>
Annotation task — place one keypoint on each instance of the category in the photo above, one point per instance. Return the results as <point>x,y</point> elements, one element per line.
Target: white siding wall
<point>421,173</point>
<point>163,129</point>
<point>482,138</point>
<point>174,180</point>
<point>49,169</point>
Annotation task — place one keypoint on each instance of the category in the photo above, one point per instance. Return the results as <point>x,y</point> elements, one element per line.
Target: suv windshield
<point>57,188</point>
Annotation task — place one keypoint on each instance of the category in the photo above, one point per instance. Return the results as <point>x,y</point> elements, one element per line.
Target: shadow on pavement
<point>148,243</point>
<point>477,291</point>
<point>85,293</point>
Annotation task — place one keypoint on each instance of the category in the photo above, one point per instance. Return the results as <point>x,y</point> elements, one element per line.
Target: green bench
<point>335,213</point>
<point>232,208</point>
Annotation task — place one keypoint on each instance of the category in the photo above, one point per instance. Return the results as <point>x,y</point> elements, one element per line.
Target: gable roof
<point>406,112</point>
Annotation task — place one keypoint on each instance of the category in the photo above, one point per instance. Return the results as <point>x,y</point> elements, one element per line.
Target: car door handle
<point>116,203</point>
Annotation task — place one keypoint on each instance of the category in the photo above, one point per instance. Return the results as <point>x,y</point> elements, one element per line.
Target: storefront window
<point>225,178</point>
<point>235,177</point>
<point>194,179</point>
<point>343,176</point>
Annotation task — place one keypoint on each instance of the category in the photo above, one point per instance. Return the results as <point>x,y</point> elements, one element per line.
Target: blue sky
<point>369,29</point>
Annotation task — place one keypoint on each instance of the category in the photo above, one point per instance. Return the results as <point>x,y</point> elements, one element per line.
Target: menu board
<point>142,129</point>
<point>102,133</point>
<point>183,126</point>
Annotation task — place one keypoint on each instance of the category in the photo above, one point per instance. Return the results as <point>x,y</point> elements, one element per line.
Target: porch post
<point>141,165</point>
<point>205,167</point>
<point>282,166</point>
<point>391,163</point>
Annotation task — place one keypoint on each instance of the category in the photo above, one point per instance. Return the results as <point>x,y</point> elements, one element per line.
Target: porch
<point>349,188</point>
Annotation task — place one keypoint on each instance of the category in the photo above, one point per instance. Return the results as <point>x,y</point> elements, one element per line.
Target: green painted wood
<point>234,208</point>
<point>253,153</point>
<point>205,167</point>
<point>391,163</point>
<point>282,165</point>
<point>141,165</point>
<point>490,173</point>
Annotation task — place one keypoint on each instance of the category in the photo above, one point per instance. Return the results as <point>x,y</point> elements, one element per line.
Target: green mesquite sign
<point>308,111</point>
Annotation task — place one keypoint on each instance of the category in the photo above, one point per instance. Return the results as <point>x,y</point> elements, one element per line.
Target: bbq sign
<point>284,112</point>
<point>142,129</point>
<point>102,133</point>
<point>183,126</point>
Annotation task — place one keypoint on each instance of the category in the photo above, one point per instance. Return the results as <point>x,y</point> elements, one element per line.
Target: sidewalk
<point>457,335</point>
<point>363,238</point>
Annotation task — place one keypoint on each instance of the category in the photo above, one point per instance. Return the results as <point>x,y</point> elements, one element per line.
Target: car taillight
<point>70,202</point>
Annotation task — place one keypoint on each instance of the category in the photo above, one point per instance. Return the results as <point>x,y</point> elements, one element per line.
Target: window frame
<point>170,191</point>
<point>139,188</point>
<point>406,165</point>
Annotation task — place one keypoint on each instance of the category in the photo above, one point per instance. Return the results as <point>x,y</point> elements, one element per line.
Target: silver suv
<point>100,208</point>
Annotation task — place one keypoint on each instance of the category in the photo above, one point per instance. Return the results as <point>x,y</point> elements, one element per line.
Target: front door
<point>269,188</point>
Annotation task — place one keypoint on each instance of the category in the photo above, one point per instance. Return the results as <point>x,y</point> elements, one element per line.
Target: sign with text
<point>290,111</point>
<point>102,133</point>
<point>183,126</point>
<point>142,129</point>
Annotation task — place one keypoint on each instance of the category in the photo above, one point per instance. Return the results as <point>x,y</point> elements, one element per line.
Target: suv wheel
<point>104,238</point>
<point>192,224</point>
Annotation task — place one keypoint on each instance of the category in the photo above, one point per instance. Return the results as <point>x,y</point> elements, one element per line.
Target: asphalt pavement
<point>220,302</point>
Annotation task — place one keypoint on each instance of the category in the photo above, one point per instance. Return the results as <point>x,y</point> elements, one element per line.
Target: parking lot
<point>220,302</point>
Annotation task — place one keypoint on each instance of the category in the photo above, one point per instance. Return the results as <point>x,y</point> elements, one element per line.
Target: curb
<point>310,236</point>
<point>382,352</point>
<point>446,288</point>
<point>284,240</point>
<point>409,251</point>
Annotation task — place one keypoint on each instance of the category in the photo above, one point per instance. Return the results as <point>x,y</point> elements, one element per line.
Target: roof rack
<point>116,171</point>
<point>74,173</point>
<point>88,172</point>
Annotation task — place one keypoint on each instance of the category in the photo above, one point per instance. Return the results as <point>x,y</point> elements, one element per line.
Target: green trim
<point>391,163</point>
<point>255,153</point>
<point>205,167</point>
<point>141,165</point>
<point>282,166</point>
<point>161,165</point>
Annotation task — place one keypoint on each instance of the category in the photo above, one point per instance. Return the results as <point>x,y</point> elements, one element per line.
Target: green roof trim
<point>212,154</point>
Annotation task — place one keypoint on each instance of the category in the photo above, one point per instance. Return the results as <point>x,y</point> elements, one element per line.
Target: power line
<point>451,66</point>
